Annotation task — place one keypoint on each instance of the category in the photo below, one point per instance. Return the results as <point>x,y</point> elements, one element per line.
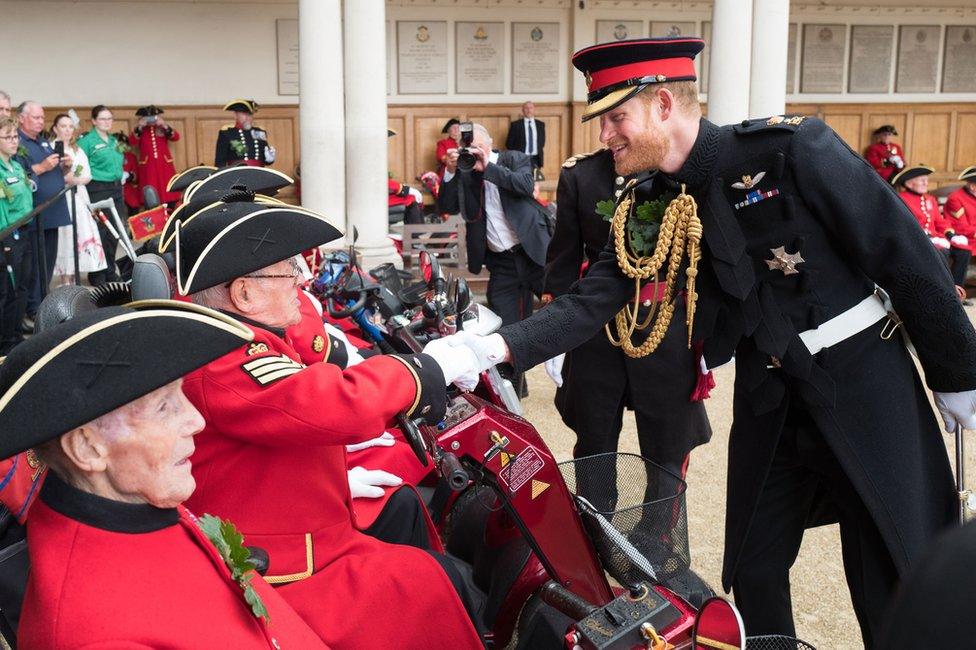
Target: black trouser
<point>513,281</point>
<point>402,520</point>
<point>18,261</point>
<point>959,258</point>
<point>50,244</point>
<point>99,191</point>
<point>803,468</point>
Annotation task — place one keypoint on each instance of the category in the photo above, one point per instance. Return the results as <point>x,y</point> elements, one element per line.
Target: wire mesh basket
<point>776,642</point>
<point>634,511</point>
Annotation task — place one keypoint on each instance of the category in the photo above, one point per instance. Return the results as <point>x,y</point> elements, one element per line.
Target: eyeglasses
<point>104,119</point>
<point>295,274</point>
<point>9,138</point>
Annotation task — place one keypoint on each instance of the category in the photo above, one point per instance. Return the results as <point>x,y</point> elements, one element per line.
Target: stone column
<point>364,47</point>
<point>321,109</point>
<point>728,71</point>
<point>770,40</point>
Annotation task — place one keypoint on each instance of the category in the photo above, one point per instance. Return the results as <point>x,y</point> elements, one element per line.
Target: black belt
<point>517,248</point>
<point>104,184</point>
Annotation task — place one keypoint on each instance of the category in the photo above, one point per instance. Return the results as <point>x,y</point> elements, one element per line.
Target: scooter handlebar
<point>335,312</point>
<point>452,470</point>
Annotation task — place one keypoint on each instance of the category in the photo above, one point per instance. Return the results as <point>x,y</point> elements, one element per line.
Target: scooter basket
<point>776,642</point>
<point>634,511</point>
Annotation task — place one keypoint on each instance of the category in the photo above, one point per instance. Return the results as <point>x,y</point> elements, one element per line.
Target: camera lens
<point>466,160</point>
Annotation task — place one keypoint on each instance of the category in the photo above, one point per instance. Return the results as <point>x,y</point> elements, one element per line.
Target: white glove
<point>554,368</point>
<point>415,193</point>
<point>960,240</point>
<point>458,363</point>
<point>125,177</point>
<point>369,483</point>
<point>490,350</point>
<point>897,161</point>
<point>385,440</point>
<point>940,242</point>
<point>957,408</point>
<point>270,154</point>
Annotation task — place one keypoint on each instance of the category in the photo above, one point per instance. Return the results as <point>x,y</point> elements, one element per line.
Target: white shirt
<point>501,236</point>
<point>531,139</point>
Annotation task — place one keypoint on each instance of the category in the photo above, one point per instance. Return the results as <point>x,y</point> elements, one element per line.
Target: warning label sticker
<point>521,468</point>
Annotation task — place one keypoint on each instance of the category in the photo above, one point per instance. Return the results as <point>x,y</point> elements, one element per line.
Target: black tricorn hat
<point>101,360</point>
<point>390,133</point>
<point>238,236</point>
<point>885,128</point>
<point>147,111</point>
<point>187,177</point>
<point>242,105</point>
<point>909,173</point>
<point>451,122</point>
<point>198,203</point>
<point>615,72</point>
<point>263,180</point>
<point>968,174</point>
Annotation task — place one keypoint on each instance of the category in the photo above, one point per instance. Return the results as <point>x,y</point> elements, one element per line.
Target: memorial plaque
<point>665,29</point>
<point>704,57</point>
<point>791,60</point>
<point>287,56</point>
<point>959,70</point>
<point>479,64</point>
<point>918,58</point>
<point>535,58</point>
<point>618,30</point>
<point>421,57</point>
<point>822,66</point>
<point>870,70</point>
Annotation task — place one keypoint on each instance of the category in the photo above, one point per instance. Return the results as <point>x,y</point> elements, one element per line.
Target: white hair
<point>482,131</point>
<point>216,297</point>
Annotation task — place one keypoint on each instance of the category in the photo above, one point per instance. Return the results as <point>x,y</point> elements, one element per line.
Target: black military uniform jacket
<point>598,377</point>
<point>235,145</point>
<point>818,199</point>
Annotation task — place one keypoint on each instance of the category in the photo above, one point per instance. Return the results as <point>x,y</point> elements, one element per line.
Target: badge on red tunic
<point>268,370</point>
<point>318,343</point>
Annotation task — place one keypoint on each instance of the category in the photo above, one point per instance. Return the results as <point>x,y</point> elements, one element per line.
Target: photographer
<point>506,229</point>
<point>151,139</point>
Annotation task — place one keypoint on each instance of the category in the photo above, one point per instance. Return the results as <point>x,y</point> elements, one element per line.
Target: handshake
<point>462,357</point>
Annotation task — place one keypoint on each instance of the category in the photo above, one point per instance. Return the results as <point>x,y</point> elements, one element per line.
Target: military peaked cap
<point>75,372</point>
<point>239,235</point>
<point>617,71</point>
<point>909,173</point>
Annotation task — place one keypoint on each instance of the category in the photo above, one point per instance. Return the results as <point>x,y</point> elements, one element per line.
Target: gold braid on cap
<point>681,231</point>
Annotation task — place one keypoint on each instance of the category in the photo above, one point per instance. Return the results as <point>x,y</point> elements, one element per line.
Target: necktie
<point>530,145</point>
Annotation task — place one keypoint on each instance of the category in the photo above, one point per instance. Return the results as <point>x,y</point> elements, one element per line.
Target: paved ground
<point>822,606</point>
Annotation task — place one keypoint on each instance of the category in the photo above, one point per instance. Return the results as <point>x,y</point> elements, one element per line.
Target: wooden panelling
<point>942,135</point>
<point>965,150</point>
<point>930,140</point>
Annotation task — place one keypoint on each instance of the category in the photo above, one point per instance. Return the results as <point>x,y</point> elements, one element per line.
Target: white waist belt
<point>843,326</point>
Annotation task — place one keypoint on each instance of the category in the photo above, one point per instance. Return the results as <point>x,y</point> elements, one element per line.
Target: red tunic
<point>22,477</point>
<point>960,216</point>
<point>879,155</point>
<point>925,209</point>
<point>314,345</point>
<point>397,196</point>
<point>155,162</point>
<point>442,147</point>
<point>166,588</point>
<point>272,459</point>
<point>130,190</point>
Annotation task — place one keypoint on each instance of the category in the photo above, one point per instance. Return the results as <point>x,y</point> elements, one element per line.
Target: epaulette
<point>228,126</point>
<point>572,160</point>
<point>783,122</point>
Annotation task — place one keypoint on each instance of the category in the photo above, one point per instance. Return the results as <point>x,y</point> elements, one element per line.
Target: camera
<point>466,160</point>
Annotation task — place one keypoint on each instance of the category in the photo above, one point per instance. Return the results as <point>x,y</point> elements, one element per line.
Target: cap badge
<point>748,182</point>
<point>783,261</point>
<point>661,78</point>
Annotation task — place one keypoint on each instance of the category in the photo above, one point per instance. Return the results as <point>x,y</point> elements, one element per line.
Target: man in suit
<point>528,135</point>
<point>506,229</point>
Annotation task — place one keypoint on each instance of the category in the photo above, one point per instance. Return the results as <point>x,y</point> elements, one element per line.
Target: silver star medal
<point>783,261</point>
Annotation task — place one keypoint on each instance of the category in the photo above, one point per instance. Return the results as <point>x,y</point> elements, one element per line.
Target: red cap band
<point>680,68</point>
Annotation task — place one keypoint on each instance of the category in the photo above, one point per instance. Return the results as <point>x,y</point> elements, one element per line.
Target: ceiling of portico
<point>874,5</point>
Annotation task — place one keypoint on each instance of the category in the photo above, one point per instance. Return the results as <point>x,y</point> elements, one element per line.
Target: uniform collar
<point>99,512</point>
<point>277,331</point>
<point>698,168</point>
